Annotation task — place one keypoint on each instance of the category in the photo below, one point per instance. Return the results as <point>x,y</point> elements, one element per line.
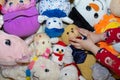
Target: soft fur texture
<point>87,13</point>
<point>20,18</point>
<point>42,45</point>
<point>12,49</point>
<point>43,69</point>
<point>101,73</point>
<point>71,31</point>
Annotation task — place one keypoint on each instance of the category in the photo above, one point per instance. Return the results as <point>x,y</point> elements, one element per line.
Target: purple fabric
<point>22,23</point>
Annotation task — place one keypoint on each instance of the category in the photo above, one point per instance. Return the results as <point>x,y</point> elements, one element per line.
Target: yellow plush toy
<point>82,58</point>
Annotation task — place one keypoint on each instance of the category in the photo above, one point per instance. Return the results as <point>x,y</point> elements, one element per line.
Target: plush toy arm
<point>67,20</point>
<point>68,58</point>
<point>1,21</point>
<point>42,18</point>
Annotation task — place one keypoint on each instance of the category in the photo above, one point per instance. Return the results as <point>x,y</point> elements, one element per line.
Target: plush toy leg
<point>85,67</point>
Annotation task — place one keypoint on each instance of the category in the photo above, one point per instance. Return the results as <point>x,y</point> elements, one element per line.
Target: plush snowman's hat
<point>61,43</point>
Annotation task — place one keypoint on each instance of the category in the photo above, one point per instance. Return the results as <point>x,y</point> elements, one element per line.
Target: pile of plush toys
<point>35,39</point>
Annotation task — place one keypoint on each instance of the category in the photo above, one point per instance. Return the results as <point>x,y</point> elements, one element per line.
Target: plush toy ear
<point>1,21</point>
<point>29,40</point>
<point>67,20</point>
<point>42,18</point>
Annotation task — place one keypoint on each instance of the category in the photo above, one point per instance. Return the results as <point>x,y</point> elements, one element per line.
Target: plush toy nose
<point>94,6</point>
<point>60,52</point>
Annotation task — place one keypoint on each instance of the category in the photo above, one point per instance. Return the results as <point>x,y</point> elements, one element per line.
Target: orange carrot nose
<point>94,6</point>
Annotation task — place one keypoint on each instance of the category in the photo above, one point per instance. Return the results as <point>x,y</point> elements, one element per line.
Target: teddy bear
<point>42,45</point>
<point>40,69</point>
<point>82,58</point>
<point>87,13</point>
<point>22,13</point>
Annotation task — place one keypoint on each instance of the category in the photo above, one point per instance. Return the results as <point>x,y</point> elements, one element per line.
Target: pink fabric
<point>18,7</point>
<point>17,50</point>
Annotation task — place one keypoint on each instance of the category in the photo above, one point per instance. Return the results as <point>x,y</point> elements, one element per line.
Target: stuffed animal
<point>53,27</point>
<point>101,73</point>
<point>70,72</point>
<point>13,50</point>
<point>82,58</point>
<point>54,12</point>
<point>38,69</point>
<point>87,13</point>
<point>42,45</point>
<point>108,22</point>
<point>20,18</point>
<point>58,53</point>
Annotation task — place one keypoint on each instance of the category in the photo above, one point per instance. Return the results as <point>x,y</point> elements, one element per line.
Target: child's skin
<point>105,57</point>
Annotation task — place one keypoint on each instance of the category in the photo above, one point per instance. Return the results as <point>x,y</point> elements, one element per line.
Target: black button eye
<point>10,3</point>
<point>47,70</point>
<point>57,49</point>
<point>62,50</point>
<point>88,8</point>
<point>67,33</point>
<point>65,74</point>
<point>96,15</point>
<point>21,1</point>
<point>7,42</point>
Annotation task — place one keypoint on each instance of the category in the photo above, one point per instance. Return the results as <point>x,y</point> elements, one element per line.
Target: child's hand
<point>94,37</point>
<point>86,44</point>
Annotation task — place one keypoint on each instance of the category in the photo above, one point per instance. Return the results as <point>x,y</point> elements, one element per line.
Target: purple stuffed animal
<point>20,17</point>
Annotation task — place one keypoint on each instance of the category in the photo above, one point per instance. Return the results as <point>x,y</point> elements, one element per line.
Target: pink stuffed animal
<point>13,50</point>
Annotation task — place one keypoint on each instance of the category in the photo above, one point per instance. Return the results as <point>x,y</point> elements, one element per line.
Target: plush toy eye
<point>21,1</point>
<point>67,33</point>
<point>7,42</point>
<point>62,50</point>
<point>57,49</point>
<point>54,21</point>
<point>47,70</point>
<point>10,3</point>
<point>96,15</point>
<point>65,74</point>
<point>88,8</point>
